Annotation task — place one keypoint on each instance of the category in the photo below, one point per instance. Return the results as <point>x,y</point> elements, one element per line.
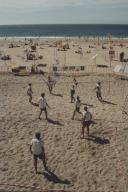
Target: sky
<point>63,12</point>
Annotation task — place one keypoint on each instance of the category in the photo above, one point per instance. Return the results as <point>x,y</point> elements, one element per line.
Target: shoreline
<point>89,37</point>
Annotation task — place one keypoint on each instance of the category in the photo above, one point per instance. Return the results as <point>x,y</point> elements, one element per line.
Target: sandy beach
<point>95,164</point>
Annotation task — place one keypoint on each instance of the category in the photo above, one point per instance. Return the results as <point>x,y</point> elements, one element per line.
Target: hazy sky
<point>63,11</point>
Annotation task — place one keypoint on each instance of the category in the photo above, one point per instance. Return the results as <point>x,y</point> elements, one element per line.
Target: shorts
<point>72,93</point>
<point>29,94</point>
<point>86,123</point>
<point>43,109</point>
<point>78,109</point>
<point>40,156</point>
<point>98,94</point>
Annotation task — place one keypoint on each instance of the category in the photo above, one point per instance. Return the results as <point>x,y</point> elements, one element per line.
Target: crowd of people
<point>36,147</point>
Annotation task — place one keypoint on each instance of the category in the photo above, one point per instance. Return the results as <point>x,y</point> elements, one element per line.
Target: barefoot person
<point>98,91</point>
<point>72,92</point>
<point>75,82</point>
<point>50,84</point>
<point>37,149</point>
<point>29,92</point>
<point>42,105</point>
<point>86,121</point>
<point>77,107</point>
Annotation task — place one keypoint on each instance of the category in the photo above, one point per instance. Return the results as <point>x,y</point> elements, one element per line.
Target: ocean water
<point>62,30</point>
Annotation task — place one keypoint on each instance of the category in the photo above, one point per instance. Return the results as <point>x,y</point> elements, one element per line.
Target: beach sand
<point>97,164</point>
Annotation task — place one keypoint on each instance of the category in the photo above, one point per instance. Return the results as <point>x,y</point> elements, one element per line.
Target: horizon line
<point>66,24</point>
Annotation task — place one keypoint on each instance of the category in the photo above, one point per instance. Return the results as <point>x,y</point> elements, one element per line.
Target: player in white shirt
<point>42,105</point>
<point>98,91</point>
<point>37,149</point>
<point>77,107</point>
<point>86,121</point>
<point>29,92</point>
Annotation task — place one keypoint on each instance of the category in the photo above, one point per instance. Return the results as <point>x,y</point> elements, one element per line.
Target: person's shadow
<point>34,104</point>
<point>108,102</point>
<point>98,140</point>
<point>57,95</point>
<point>50,176</point>
<point>54,122</point>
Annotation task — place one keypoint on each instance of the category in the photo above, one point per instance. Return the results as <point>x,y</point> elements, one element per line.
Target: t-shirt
<point>98,88</point>
<point>87,116</point>
<point>42,103</point>
<point>37,146</point>
<point>72,91</point>
<point>78,104</point>
<point>49,79</point>
<point>75,81</point>
<point>50,83</point>
<point>29,90</point>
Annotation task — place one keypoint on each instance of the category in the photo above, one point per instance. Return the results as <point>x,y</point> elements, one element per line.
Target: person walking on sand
<point>50,84</point>
<point>75,82</point>
<point>77,107</point>
<point>98,91</point>
<point>37,150</point>
<point>42,105</point>
<point>72,93</point>
<point>29,92</point>
<point>86,121</point>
